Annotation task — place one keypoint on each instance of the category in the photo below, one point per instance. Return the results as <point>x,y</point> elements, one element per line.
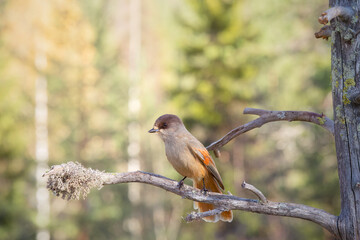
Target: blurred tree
<point>215,73</point>
<point>16,165</point>
<point>88,106</point>
<point>16,108</point>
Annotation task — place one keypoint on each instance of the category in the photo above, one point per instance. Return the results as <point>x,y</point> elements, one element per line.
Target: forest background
<point>112,67</point>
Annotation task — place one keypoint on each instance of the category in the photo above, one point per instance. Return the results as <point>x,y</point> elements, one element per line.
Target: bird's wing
<point>204,157</point>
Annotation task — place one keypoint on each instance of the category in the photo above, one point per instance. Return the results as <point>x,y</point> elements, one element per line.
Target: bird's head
<point>167,124</point>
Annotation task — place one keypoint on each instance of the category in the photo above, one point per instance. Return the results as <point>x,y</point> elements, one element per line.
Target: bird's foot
<point>181,183</point>
<point>204,190</point>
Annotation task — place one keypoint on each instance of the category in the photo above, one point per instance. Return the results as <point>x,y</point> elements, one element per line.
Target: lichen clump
<point>346,99</point>
<point>321,120</point>
<point>348,84</point>
<point>71,180</point>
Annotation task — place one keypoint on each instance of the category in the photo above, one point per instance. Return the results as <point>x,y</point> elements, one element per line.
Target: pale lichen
<point>70,180</point>
<point>338,110</point>
<point>339,114</point>
<point>354,19</point>
<point>281,115</point>
<point>348,36</point>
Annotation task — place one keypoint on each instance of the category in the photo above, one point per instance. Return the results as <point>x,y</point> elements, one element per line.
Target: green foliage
<point>214,70</point>
<point>15,211</point>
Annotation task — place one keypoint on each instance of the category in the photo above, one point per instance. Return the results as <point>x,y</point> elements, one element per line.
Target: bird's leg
<point>204,190</point>
<point>181,182</point>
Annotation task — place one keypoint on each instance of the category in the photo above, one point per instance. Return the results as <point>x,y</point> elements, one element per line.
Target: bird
<point>192,160</point>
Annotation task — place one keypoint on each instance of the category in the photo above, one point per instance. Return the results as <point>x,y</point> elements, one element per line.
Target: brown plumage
<point>190,158</point>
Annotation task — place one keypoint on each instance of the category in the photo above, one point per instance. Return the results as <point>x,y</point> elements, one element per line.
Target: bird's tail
<point>212,186</point>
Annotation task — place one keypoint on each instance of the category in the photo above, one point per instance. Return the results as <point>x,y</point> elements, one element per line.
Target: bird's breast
<point>184,162</point>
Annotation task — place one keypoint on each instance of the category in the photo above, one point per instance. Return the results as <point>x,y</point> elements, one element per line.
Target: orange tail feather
<point>212,186</point>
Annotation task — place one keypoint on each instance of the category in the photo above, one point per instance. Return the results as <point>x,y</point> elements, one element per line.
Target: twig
<point>199,215</point>
<point>266,116</point>
<point>61,181</point>
<point>324,32</point>
<point>254,190</point>
<point>344,12</point>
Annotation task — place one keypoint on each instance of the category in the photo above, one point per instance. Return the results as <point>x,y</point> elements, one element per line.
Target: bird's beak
<point>153,130</point>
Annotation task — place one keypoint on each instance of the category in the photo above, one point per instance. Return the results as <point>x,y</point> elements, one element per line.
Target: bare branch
<point>199,215</point>
<point>266,116</point>
<point>62,177</point>
<point>344,12</point>
<point>254,190</point>
<point>324,33</point>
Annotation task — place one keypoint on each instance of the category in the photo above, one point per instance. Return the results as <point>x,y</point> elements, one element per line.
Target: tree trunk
<point>41,148</point>
<point>345,84</point>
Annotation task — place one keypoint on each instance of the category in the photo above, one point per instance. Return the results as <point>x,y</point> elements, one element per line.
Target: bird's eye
<point>164,125</point>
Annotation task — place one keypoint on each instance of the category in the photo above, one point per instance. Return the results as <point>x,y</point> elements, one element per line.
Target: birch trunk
<point>41,150</point>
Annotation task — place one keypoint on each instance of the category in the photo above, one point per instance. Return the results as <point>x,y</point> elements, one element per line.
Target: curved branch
<point>266,116</point>
<point>73,177</point>
<point>254,190</point>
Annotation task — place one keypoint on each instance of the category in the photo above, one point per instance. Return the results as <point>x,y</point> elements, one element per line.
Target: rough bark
<point>345,82</point>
